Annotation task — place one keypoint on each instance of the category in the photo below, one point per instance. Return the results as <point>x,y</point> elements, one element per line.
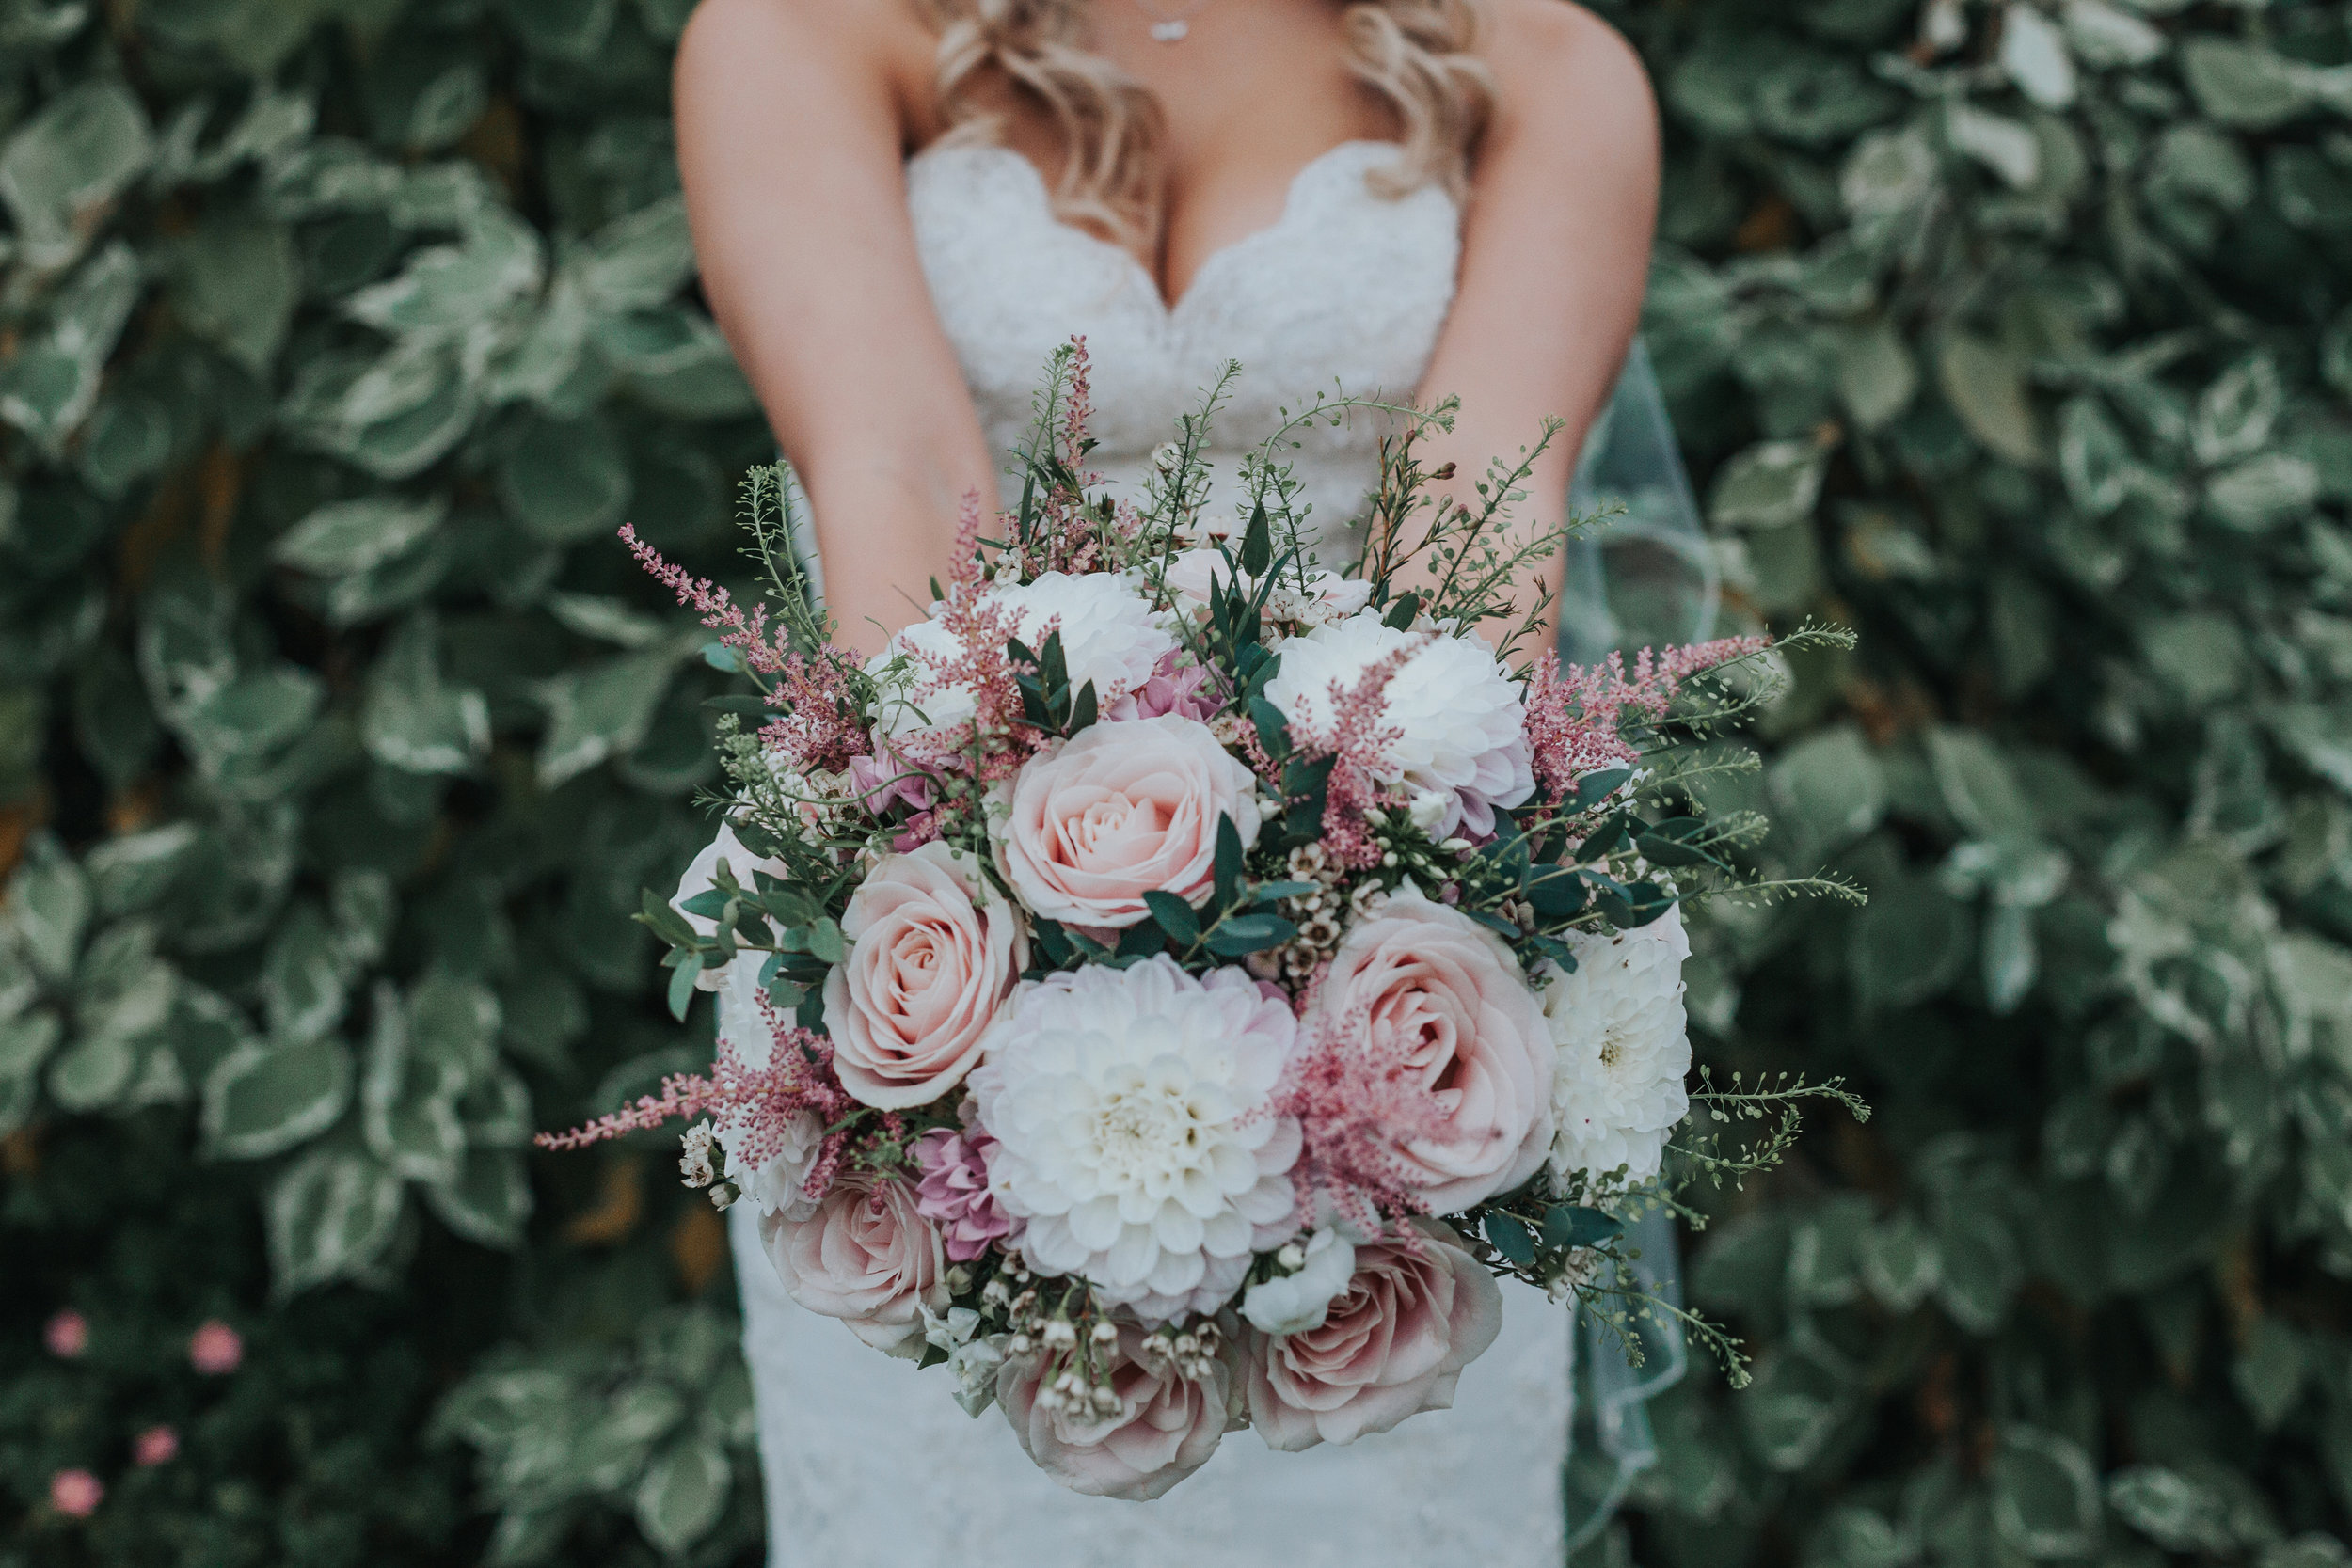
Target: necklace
<point>1170,27</point>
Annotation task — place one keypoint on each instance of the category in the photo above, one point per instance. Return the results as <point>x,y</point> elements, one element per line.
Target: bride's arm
<point>1556,251</point>
<point>791,130</point>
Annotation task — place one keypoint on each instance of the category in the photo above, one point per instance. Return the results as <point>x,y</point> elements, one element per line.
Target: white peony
<point>1134,1135</point>
<point>1462,718</point>
<point>1625,1048</point>
<point>1297,1303</point>
<point>1326,597</point>
<point>779,1186</point>
<point>1109,635</point>
<point>702,875</point>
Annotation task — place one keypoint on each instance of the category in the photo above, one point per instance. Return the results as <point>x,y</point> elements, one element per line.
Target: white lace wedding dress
<point>868,1463</point>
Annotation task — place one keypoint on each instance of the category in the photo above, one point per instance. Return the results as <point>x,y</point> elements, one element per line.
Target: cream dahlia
<point>1459,719</point>
<point>1134,1131</point>
<point>1624,1049</point>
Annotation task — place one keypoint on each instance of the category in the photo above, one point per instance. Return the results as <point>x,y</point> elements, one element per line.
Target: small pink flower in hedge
<point>67,1335</point>
<point>75,1493</point>
<point>157,1445</point>
<point>214,1349</point>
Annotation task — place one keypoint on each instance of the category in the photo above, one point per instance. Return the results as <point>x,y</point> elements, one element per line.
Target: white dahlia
<point>779,1184</point>
<point>1624,1049</point>
<point>1109,635</point>
<point>1134,1135</point>
<point>1461,718</point>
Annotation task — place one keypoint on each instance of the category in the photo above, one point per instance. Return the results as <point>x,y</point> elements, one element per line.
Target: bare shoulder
<point>1562,73</point>
<point>888,43</point>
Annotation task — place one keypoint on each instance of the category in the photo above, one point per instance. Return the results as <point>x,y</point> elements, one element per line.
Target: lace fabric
<point>869,1460</point>
<point>1345,289</point>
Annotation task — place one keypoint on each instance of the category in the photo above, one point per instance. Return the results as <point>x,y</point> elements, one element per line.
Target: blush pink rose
<point>864,1256</point>
<point>1120,811</point>
<point>930,962</point>
<point>1165,1426</point>
<point>1443,997</point>
<point>1394,1344</point>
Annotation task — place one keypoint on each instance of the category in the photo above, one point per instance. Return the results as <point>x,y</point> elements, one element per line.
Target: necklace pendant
<point>1171,31</point>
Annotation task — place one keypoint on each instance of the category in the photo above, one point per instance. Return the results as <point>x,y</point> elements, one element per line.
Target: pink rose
<point>1444,998</point>
<point>927,967</point>
<point>1165,1428</point>
<point>866,1256</point>
<point>1120,811</point>
<point>1394,1344</point>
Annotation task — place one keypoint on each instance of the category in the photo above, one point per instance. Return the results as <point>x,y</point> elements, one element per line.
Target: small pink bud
<point>67,1335</point>
<point>155,1446</point>
<point>214,1349</point>
<point>75,1493</point>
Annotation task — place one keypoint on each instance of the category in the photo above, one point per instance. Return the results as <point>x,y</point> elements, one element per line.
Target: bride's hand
<point>791,139</point>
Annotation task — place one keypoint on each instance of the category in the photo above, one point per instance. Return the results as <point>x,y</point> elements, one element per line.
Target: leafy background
<point>337,738</point>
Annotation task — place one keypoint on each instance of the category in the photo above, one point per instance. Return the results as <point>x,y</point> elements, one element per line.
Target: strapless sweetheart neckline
<point>1347,289</point>
<point>1224,255</point>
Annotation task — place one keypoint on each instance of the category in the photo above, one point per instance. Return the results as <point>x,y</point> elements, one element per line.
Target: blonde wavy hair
<point>1413,54</point>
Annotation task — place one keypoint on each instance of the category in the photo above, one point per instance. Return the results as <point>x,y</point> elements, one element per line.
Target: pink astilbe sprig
<point>1066,538</point>
<point>818,725</point>
<point>1357,744</point>
<point>762,1105</point>
<point>1576,714</point>
<point>1358,1099</point>
<point>979,625</point>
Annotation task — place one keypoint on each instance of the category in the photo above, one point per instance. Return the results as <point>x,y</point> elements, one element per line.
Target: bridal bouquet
<point>1170,983</point>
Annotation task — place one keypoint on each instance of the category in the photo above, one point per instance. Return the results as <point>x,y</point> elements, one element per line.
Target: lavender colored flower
<point>953,1192</point>
<point>1186,691</point>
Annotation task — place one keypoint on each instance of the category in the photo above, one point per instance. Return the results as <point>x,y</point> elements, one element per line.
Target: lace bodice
<point>868,1463</point>
<point>1347,289</point>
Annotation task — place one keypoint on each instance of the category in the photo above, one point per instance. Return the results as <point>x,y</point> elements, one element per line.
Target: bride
<point>901,208</point>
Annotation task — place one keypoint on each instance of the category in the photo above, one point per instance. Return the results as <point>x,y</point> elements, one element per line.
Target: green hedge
<point>337,738</point>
